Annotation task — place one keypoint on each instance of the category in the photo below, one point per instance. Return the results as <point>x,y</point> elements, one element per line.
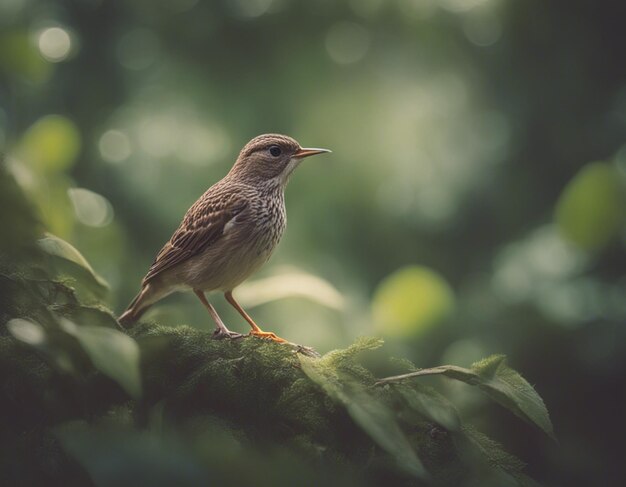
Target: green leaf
<point>410,301</point>
<point>17,216</point>
<point>51,144</point>
<point>498,381</point>
<point>345,357</point>
<point>429,403</point>
<point>371,414</point>
<point>507,468</point>
<point>94,315</point>
<point>35,335</point>
<point>112,352</point>
<point>67,260</point>
<point>19,57</point>
<point>113,455</point>
<point>424,400</point>
<point>592,208</point>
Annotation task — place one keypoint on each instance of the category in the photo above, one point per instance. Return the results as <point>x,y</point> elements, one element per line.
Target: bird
<point>227,234</point>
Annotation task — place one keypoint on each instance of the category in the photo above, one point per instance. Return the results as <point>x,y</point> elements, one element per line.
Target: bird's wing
<point>203,225</point>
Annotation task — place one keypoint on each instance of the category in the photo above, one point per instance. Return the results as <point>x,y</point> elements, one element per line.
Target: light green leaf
<point>290,284</point>
<point>112,352</point>
<point>411,300</point>
<point>51,144</point>
<point>19,57</point>
<point>373,416</point>
<point>498,381</point>
<point>66,259</point>
<point>592,207</point>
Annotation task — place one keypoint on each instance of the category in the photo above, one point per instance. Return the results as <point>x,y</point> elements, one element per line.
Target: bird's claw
<point>268,335</point>
<point>308,351</point>
<point>220,334</point>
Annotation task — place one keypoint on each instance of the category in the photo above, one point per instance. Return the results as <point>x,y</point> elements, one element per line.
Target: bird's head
<point>270,158</point>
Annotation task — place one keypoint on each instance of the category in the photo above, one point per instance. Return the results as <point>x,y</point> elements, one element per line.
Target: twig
<point>417,373</point>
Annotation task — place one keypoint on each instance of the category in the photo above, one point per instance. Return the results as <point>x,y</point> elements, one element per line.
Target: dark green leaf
<point>112,352</point>
<point>506,469</point>
<point>67,260</point>
<point>501,383</point>
<point>57,353</point>
<point>371,414</point>
<point>429,403</point>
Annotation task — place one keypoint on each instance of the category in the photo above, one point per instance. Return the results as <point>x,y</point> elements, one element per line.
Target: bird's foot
<point>220,334</point>
<point>308,351</point>
<point>268,335</point>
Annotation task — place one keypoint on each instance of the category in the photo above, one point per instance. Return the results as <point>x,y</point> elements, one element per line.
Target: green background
<point>474,202</point>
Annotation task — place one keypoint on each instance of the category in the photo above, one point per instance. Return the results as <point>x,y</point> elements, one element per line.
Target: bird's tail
<point>135,309</point>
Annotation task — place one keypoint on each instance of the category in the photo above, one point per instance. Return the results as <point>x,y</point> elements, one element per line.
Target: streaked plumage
<point>229,232</point>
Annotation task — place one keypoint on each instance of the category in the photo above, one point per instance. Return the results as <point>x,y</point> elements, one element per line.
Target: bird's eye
<point>275,151</point>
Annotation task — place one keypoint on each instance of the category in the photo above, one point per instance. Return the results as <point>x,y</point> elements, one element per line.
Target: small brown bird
<point>228,234</point>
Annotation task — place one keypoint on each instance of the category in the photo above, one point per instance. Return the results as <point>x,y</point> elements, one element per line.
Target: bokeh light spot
<point>592,207</point>
<point>114,146</point>
<point>51,144</point>
<point>54,44</point>
<point>411,300</point>
<point>138,49</point>
<point>26,331</point>
<point>543,258</point>
<point>90,208</point>
<point>347,42</point>
<point>202,142</point>
<point>158,135</point>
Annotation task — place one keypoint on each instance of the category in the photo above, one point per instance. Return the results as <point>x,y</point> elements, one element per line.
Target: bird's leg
<point>256,331</point>
<point>220,331</point>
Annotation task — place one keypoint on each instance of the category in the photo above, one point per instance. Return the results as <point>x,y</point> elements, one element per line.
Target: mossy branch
<point>85,403</point>
<point>329,411</point>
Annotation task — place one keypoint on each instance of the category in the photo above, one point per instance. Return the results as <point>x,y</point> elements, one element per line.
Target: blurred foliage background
<point>474,202</point>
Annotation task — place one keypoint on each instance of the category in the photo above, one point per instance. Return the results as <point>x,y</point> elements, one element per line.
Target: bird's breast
<point>269,223</point>
<point>248,243</point>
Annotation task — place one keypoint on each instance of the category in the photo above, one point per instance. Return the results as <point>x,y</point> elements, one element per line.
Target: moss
<point>256,385</point>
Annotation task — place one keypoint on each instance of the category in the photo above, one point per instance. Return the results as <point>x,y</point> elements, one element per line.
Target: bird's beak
<point>309,152</point>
